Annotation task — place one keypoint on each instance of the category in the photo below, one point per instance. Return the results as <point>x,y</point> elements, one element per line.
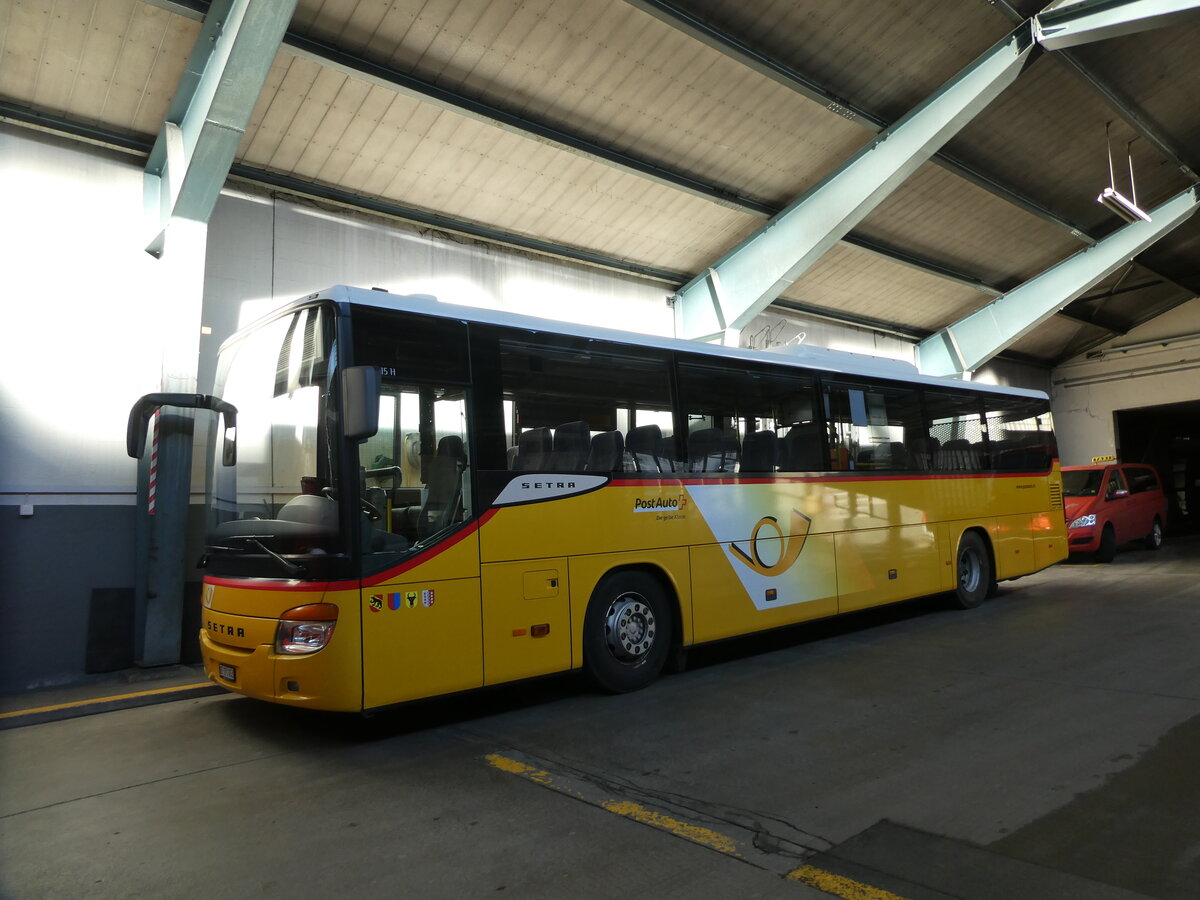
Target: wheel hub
<point>968,571</point>
<point>629,627</point>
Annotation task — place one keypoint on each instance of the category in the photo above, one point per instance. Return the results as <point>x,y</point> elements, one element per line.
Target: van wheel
<point>626,631</point>
<point>1108,545</point>
<point>1154,539</point>
<point>974,571</point>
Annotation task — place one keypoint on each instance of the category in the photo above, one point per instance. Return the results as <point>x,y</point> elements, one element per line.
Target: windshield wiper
<point>291,569</point>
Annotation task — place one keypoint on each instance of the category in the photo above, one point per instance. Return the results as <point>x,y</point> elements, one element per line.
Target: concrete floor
<point>1045,745</point>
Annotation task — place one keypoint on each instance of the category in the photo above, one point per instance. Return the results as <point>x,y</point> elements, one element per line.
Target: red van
<point>1109,505</point>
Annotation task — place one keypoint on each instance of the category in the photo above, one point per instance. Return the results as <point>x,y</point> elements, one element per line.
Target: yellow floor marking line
<point>77,703</point>
<point>839,886</point>
<point>694,833</point>
<point>596,792</point>
<point>512,767</point>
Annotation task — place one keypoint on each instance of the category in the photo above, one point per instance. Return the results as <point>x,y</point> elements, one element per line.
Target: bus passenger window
<point>955,431</point>
<point>1020,434</point>
<point>739,418</point>
<point>872,426</point>
<point>562,394</point>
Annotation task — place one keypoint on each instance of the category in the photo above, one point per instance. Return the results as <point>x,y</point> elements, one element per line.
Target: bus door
<point>421,615</point>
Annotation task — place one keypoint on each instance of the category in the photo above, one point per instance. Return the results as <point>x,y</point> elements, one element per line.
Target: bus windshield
<point>275,514</point>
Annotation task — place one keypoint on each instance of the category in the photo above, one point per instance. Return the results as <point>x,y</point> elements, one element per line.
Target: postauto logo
<point>660,504</point>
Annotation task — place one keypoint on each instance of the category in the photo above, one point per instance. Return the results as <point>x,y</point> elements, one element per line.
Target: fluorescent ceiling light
<point>1122,206</point>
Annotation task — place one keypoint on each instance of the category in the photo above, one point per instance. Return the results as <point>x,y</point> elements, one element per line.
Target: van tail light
<point>305,629</point>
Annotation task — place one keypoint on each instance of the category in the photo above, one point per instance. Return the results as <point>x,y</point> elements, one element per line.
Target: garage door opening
<point>1168,438</point>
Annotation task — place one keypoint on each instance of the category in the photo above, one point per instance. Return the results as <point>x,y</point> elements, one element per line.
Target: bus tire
<point>1154,539</point>
<point>626,631</point>
<point>1108,545</point>
<point>974,571</point>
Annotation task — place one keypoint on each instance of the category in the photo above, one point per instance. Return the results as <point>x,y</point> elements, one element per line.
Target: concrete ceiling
<point>655,136</point>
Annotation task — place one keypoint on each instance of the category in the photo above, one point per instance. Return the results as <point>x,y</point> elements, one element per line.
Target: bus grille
<point>1056,496</point>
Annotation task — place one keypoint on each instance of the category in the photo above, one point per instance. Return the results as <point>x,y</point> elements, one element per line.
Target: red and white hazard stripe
<point>153,466</point>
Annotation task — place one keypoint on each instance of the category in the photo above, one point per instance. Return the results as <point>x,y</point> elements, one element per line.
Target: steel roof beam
<point>1072,24</point>
<point>208,115</point>
<point>963,347</point>
<point>747,279</point>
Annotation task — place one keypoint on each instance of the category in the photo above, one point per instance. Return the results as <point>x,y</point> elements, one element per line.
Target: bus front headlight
<point>305,629</point>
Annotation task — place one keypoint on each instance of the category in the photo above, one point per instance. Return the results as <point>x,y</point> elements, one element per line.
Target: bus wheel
<point>626,631</point>
<point>1154,539</point>
<point>1108,545</point>
<point>974,571</point>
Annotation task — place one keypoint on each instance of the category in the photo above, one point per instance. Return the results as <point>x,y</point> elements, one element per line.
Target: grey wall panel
<point>52,561</point>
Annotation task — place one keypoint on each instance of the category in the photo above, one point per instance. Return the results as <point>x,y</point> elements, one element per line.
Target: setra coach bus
<point>424,498</point>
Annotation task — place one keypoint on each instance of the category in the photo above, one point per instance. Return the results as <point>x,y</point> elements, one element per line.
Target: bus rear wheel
<point>626,631</point>
<point>974,568</point>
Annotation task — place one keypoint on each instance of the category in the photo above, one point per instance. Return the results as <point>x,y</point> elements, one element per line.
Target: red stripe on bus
<point>429,554</point>
<point>269,584</point>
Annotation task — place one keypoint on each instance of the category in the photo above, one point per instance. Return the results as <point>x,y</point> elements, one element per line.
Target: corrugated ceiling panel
<point>115,62</point>
<point>854,281</point>
<point>1147,68</point>
<point>1055,337</point>
<point>433,159</point>
<point>883,56</point>
<point>22,35</point>
<point>944,217</point>
<point>623,78</point>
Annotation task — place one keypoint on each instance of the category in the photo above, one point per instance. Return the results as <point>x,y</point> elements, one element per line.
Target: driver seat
<point>443,498</point>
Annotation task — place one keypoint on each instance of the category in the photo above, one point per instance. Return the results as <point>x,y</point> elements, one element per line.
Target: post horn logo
<point>790,546</point>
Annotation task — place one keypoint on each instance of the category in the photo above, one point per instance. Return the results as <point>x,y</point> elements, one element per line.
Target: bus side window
<point>560,392</point>
<point>955,430</point>
<point>871,425</point>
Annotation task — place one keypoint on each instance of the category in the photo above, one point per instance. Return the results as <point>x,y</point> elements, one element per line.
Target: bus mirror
<point>149,404</point>
<point>360,402</point>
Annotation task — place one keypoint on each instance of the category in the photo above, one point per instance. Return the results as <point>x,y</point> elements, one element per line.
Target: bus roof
<point>838,362</point>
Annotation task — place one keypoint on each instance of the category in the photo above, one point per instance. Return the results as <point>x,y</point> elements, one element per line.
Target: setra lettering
<point>546,485</point>
<point>229,630</point>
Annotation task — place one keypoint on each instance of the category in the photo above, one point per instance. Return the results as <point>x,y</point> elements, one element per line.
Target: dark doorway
<point>1168,438</point>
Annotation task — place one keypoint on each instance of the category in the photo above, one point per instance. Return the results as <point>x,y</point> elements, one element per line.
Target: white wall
<point>264,251</point>
<point>81,316</point>
<point>1161,366</point>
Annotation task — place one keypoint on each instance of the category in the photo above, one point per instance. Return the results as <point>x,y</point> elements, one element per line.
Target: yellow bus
<point>427,499</point>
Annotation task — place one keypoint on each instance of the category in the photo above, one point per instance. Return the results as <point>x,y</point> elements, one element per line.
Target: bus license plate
<point>227,672</point>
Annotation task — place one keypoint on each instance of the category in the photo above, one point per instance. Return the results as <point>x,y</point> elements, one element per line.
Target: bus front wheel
<point>974,569</point>
<point>626,631</point>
